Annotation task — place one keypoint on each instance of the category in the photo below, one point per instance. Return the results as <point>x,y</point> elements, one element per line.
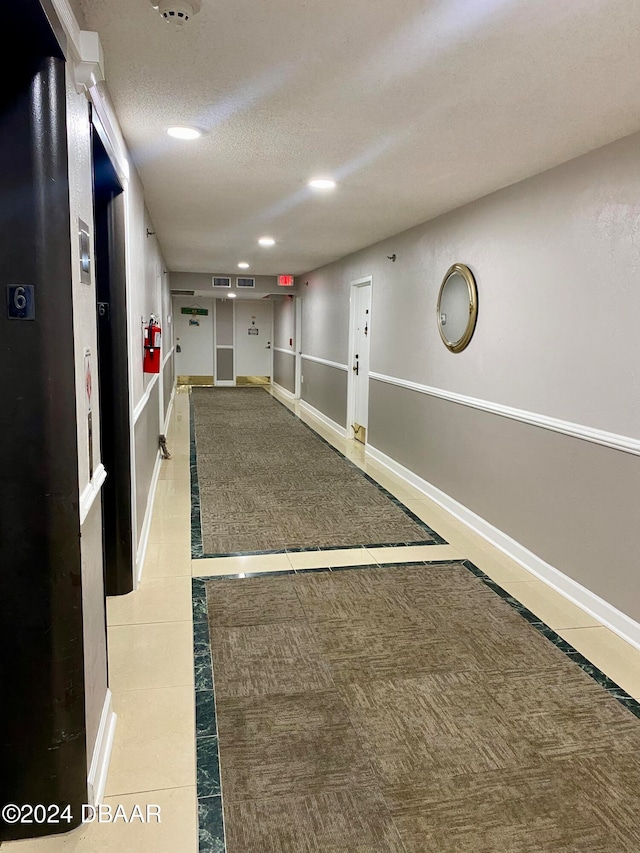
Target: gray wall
<point>325,388</point>
<point>146,453</point>
<point>556,259</point>
<point>224,365</point>
<point>168,379</point>
<point>325,308</point>
<point>284,363</point>
<point>571,502</point>
<point>148,294</point>
<point>284,370</point>
<point>284,322</point>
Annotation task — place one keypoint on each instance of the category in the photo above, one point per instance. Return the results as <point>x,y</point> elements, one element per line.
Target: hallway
<point>417,226</point>
<point>151,648</point>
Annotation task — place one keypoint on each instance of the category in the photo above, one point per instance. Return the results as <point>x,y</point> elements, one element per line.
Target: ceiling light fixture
<point>180,132</point>
<point>177,12</point>
<point>243,265</point>
<point>232,296</point>
<point>267,241</point>
<point>322,184</point>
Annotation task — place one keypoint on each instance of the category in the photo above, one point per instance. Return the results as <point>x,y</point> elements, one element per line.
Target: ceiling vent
<point>177,12</point>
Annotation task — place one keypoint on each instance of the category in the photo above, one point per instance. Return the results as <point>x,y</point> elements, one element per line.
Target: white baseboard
<point>319,416</point>
<point>169,410</point>
<point>165,428</point>
<point>146,526</point>
<point>282,391</point>
<point>605,613</point>
<point>97,778</point>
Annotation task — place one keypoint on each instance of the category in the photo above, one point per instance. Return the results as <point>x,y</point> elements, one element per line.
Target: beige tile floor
<point>150,645</point>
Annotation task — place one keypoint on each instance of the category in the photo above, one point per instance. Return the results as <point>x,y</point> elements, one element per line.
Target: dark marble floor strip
<point>211,837</point>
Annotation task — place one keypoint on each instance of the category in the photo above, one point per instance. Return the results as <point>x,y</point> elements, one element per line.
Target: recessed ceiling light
<point>267,241</point>
<point>322,184</point>
<point>232,296</point>
<point>184,132</point>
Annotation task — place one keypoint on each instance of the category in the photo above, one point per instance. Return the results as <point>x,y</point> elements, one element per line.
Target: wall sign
<point>201,312</point>
<point>21,302</point>
<point>285,281</point>
<point>253,330</point>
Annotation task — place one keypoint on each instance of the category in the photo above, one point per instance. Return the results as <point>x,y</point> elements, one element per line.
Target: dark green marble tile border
<point>197,552</point>
<point>210,813</point>
<point>210,825</point>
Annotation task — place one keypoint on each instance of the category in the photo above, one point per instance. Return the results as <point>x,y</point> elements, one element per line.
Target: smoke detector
<point>177,12</point>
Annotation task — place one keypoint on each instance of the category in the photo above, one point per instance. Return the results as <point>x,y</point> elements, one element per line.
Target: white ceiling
<point>415,107</point>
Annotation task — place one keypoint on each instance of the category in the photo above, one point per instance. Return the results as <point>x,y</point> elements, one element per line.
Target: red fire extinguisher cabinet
<point>152,347</point>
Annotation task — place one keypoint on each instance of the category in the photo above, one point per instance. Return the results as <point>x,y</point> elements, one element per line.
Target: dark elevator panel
<point>43,755</point>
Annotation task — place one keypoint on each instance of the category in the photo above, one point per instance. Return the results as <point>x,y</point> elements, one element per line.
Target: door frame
<point>115,372</point>
<point>351,393</point>
<point>297,331</point>
<point>272,342</point>
<point>223,383</point>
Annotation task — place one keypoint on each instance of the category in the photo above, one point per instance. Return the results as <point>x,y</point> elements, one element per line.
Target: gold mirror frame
<point>467,275</point>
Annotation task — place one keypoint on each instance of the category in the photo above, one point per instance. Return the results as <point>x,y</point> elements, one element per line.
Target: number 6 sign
<point>21,302</point>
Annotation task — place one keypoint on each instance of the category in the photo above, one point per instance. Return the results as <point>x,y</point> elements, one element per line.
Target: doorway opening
<point>359,348</point>
<point>113,369</point>
<point>228,343</point>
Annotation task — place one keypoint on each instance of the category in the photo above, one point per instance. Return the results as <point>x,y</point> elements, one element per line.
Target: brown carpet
<point>268,482</point>
<point>410,709</point>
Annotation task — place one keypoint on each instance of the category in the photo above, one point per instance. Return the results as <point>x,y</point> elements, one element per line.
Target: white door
<point>254,324</point>
<point>360,336</point>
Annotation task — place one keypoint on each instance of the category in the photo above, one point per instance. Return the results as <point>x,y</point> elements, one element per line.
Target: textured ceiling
<point>414,106</point>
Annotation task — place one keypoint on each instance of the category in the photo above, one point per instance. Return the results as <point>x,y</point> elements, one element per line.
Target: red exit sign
<point>285,281</point>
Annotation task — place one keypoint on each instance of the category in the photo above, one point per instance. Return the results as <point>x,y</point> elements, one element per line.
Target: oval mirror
<point>457,307</point>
